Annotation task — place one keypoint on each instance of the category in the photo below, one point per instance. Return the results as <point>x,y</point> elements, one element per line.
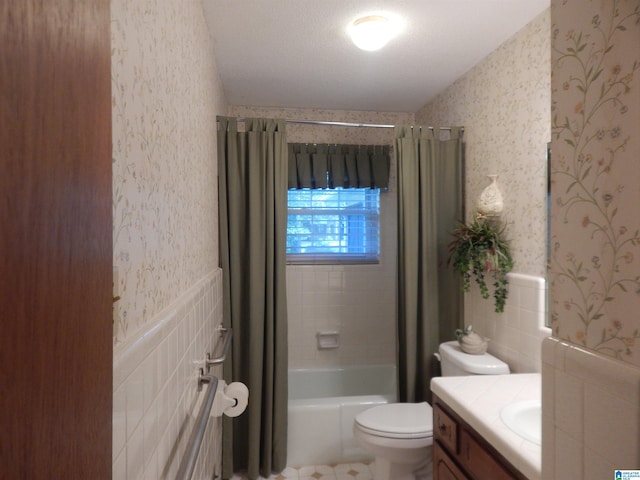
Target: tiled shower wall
<point>155,388</point>
<point>358,301</point>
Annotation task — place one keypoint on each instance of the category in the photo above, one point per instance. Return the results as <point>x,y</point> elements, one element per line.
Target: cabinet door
<point>443,466</point>
<point>479,462</point>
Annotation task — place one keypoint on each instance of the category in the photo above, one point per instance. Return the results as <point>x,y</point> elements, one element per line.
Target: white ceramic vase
<point>490,200</point>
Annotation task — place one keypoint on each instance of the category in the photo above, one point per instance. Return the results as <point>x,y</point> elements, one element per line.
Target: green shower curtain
<point>252,170</point>
<point>430,203</point>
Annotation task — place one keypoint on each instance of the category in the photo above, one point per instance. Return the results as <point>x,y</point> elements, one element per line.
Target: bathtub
<point>323,404</point>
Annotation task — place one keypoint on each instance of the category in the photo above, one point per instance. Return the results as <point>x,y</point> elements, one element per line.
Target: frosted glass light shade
<point>371,32</point>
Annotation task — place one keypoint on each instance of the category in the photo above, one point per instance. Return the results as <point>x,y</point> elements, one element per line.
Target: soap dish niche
<point>327,339</point>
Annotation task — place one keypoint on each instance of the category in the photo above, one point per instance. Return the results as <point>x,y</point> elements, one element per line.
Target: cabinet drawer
<point>445,429</point>
<point>479,462</point>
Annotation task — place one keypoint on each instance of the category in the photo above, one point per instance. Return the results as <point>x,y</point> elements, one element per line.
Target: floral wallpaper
<point>596,175</point>
<point>166,94</point>
<point>503,103</point>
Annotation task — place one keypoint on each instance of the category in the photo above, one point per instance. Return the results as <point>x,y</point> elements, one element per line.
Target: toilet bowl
<point>400,435</point>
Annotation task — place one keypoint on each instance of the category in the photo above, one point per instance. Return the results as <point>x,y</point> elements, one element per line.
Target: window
<point>334,226</point>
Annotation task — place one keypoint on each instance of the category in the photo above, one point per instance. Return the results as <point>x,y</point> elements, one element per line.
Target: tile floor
<point>343,471</point>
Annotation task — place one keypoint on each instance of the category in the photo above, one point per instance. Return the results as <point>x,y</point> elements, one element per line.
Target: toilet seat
<point>397,420</point>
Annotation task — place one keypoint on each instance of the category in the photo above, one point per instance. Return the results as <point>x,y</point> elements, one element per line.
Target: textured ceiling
<point>296,53</point>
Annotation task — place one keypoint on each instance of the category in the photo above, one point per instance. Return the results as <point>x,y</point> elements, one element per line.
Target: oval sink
<point>525,419</point>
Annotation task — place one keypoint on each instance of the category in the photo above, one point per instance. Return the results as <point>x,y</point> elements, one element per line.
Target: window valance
<point>332,166</point>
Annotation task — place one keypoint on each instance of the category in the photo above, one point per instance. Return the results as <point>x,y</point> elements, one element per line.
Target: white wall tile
<point>611,425</point>
<point>156,388</point>
<point>591,412</point>
<point>135,453</point>
<point>150,380</point>
<point>151,427</point>
<point>570,451</point>
<point>119,467</point>
<point>135,400</point>
<point>600,371</point>
<point>569,408</point>
<point>548,416</point>
<point>358,301</point>
<point>119,421</point>
<point>597,466</point>
<point>516,335</point>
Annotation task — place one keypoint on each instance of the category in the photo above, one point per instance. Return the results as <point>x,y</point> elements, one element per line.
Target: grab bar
<point>188,463</point>
<point>228,335</point>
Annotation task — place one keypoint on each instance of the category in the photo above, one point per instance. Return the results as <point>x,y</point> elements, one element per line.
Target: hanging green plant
<point>479,249</point>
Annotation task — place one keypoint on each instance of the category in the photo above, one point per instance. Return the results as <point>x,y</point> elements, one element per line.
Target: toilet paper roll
<point>230,400</point>
<point>240,393</point>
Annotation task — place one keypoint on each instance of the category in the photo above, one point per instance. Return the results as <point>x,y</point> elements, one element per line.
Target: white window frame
<point>373,224</point>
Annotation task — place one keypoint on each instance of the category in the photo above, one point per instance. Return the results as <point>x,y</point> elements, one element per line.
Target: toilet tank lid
<point>485,364</point>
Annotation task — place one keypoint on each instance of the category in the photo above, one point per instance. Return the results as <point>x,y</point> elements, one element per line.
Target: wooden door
<point>55,240</point>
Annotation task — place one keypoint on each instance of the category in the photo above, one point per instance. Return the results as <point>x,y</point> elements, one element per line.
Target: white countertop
<point>478,400</point>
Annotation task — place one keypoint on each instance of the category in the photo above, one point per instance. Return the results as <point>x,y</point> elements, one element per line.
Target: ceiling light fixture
<point>371,32</point>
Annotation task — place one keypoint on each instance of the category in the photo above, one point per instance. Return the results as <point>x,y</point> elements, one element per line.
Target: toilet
<point>400,435</point>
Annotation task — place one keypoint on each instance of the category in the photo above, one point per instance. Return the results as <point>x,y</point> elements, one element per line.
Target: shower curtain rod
<point>343,124</point>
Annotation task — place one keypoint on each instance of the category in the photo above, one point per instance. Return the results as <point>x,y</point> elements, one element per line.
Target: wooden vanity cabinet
<point>460,453</point>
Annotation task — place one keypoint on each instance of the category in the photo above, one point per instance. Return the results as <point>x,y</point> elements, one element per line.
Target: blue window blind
<point>333,226</point>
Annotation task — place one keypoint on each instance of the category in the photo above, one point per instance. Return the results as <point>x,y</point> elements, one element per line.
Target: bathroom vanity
<point>471,441</point>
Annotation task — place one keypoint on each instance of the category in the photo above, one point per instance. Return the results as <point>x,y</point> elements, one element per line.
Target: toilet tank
<point>455,362</point>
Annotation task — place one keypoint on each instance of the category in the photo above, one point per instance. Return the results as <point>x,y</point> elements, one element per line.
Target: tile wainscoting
<point>155,388</point>
<point>590,413</point>
<point>516,335</point>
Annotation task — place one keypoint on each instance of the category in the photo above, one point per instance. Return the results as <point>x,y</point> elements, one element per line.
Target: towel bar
<point>188,463</point>
<point>190,457</point>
